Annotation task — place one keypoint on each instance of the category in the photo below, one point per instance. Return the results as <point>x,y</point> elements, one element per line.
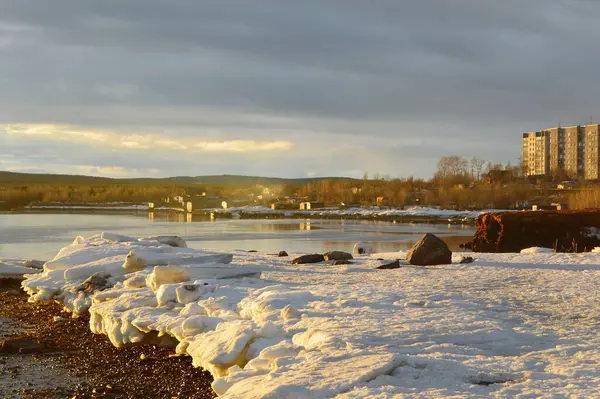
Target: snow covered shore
<point>506,325</point>
<point>372,212</point>
<point>15,268</point>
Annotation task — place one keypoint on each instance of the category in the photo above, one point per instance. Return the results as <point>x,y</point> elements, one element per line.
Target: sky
<point>285,87</point>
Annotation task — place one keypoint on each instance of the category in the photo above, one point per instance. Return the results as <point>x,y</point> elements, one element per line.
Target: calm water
<point>40,236</point>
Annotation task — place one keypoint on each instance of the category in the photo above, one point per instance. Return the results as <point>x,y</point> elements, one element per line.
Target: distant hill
<point>213,180</point>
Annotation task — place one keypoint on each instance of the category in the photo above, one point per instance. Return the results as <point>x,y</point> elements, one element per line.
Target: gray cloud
<point>403,82</point>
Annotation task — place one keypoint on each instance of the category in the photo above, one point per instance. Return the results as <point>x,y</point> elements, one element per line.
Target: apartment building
<point>591,163</point>
<point>535,158</point>
<point>572,150</point>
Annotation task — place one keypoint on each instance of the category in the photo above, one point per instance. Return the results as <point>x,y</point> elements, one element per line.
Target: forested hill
<point>212,180</point>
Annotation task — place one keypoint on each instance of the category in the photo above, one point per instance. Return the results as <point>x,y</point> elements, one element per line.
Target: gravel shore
<point>71,362</point>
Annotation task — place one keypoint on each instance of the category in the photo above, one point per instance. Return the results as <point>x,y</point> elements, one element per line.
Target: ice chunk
<point>166,293</point>
<point>138,259</point>
<point>173,241</point>
<point>187,293</point>
<point>16,268</point>
<point>218,350</point>
<point>362,248</point>
<point>117,237</point>
<point>111,265</point>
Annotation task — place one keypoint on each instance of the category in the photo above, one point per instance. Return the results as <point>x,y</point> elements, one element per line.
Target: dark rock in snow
<point>337,255</point>
<point>96,282</point>
<point>392,265</point>
<point>312,258</point>
<point>428,251</point>
<point>466,259</point>
<point>35,264</point>
<point>282,254</point>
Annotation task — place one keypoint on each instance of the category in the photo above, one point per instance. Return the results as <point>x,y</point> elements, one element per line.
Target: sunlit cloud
<point>60,132</point>
<point>244,146</point>
<point>170,144</point>
<point>91,170</point>
<point>115,171</point>
<point>139,141</point>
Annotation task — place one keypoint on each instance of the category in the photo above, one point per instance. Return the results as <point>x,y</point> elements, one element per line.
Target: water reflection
<point>41,235</point>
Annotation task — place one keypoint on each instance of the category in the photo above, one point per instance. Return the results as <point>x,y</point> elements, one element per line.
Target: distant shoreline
<point>410,215</point>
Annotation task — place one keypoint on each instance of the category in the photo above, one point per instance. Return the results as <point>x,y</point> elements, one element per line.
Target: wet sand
<point>74,363</point>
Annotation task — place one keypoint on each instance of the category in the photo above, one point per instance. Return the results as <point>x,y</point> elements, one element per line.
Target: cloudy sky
<point>286,87</point>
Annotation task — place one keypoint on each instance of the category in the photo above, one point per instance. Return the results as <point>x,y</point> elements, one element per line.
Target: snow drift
<point>505,325</point>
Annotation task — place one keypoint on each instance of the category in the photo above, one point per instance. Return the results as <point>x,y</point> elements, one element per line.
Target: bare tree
<point>477,166</point>
<point>452,166</point>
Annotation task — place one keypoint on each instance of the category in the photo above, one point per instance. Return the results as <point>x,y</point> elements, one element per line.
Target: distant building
<point>573,151</point>
<point>307,206</point>
<point>535,157</point>
<point>591,164</point>
<point>383,201</point>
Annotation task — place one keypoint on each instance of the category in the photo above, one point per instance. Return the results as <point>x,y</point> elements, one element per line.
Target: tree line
<point>458,183</point>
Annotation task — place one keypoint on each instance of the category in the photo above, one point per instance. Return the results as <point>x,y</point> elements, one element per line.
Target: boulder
<point>337,255</point>
<point>282,254</point>
<point>312,258</point>
<point>428,251</point>
<point>391,265</point>
<point>362,248</point>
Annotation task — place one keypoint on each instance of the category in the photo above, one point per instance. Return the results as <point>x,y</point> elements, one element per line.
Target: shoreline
<point>208,215</point>
<point>73,362</point>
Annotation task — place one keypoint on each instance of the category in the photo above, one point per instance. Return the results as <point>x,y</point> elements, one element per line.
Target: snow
<point>368,212</point>
<point>537,250</point>
<point>15,268</point>
<point>12,268</point>
<point>506,325</point>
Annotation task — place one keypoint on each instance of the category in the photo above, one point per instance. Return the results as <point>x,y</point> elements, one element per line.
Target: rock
<point>337,255</point>
<point>428,251</point>
<point>252,251</point>
<point>34,264</point>
<point>392,265</point>
<point>96,282</point>
<point>282,254</point>
<point>362,248</point>
<point>312,258</point>
<point>340,262</point>
<point>466,259</point>
<point>21,345</point>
